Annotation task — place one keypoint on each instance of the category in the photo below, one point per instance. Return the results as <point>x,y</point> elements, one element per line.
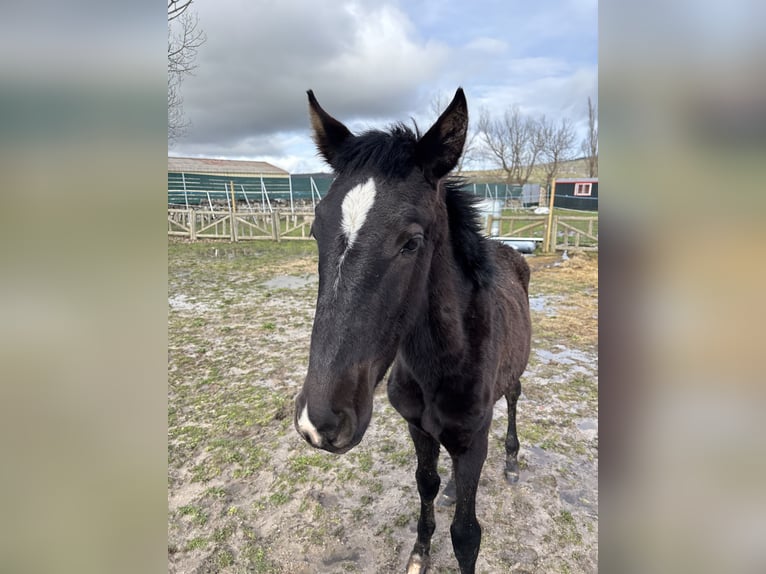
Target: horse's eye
<point>413,244</point>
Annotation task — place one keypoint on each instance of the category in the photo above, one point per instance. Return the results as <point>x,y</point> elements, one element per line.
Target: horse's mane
<point>392,152</point>
<point>468,242</point>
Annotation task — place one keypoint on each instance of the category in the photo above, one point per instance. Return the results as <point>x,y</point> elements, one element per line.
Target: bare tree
<point>558,146</point>
<point>184,40</point>
<point>515,142</point>
<point>589,145</point>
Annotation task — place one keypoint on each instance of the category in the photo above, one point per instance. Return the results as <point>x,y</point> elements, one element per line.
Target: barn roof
<point>577,180</point>
<point>315,175</point>
<point>223,167</point>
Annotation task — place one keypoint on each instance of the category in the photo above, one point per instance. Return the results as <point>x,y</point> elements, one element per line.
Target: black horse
<point>406,277</point>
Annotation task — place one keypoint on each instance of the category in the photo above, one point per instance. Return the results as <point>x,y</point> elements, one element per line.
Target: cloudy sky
<point>373,62</point>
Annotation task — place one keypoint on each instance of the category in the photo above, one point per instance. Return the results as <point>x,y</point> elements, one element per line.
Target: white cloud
<point>558,96</point>
<point>260,60</point>
<point>384,59</point>
<point>488,46</point>
<point>522,69</point>
<point>372,62</point>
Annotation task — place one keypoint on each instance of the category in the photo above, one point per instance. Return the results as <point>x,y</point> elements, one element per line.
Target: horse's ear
<point>439,150</point>
<point>329,133</point>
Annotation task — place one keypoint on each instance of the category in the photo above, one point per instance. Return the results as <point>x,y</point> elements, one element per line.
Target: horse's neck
<point>441,322</point>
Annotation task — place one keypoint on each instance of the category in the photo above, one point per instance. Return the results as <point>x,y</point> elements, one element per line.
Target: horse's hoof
<point>445,500</point>
<point>417,564</point>
<point>512,472</point>
<point>448,495</point>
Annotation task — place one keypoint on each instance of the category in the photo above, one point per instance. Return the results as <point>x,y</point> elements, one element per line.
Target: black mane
<point>468,242</point>
<point>391,153</point>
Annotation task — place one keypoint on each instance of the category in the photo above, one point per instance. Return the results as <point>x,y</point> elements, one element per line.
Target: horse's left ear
<point>439,150</point>
<point>329,133</point>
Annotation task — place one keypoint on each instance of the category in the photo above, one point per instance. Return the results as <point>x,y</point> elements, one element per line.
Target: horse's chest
<point>432,410</point>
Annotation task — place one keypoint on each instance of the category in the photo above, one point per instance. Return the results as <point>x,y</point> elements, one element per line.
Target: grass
<point>571,168</point>
<point>223,534</point>
<point>216,491</point>
<point>257,557</point>
<point>576,282</point>
<point>224,558</point>
<point>556,211</point>
<point>527,224</point>
<point>567,529</point>
<point>198,542</point>
<point>197,515</point>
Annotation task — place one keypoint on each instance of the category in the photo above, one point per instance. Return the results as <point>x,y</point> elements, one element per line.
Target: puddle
<point>565,356</point>
<point>290,281</point>
<point>543,304</point>
<point>539,457</point>
<point>577,488</point>
<point>581,498</point>
<point>587,424</point>
<point>588,428</point>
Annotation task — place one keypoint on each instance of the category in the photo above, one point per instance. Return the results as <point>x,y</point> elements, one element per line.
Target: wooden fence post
<point>192,215</point>
<point>233,215</point>
<point>547,240</point>
<point>577,238</point>
<point>275,226</point>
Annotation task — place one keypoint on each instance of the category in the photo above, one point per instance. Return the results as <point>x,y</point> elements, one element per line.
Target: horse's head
<point>376,230</point>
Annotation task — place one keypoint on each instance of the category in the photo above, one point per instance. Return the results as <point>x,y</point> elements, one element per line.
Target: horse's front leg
<point>465,529</point>
<point>512,438</point>
<point>427,450</point>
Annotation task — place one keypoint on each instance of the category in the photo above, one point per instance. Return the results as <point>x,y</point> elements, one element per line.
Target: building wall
<point>566,198</point>
<point>247,189</point>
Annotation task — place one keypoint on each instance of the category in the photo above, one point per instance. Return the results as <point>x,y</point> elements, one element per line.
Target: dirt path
<point>246,494</point>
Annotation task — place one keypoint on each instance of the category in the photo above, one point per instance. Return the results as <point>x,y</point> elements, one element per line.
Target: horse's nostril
<point>345,429</point>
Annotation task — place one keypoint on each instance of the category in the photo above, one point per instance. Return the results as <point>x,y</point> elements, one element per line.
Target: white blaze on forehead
<point>307,426</point>
<point>356,206</point>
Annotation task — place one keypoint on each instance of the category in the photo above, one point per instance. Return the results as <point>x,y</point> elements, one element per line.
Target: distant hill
<point>573,168</point>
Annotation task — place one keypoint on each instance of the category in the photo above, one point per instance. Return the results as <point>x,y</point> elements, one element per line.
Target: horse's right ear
<point>329,133</point>
<point>440,149</point>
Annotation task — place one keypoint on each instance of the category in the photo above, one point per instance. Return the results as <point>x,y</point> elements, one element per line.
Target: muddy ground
<point>247,494</point>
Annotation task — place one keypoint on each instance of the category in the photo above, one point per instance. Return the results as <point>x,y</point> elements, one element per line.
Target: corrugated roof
<point>223,167</point>
<point>577,180</point>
